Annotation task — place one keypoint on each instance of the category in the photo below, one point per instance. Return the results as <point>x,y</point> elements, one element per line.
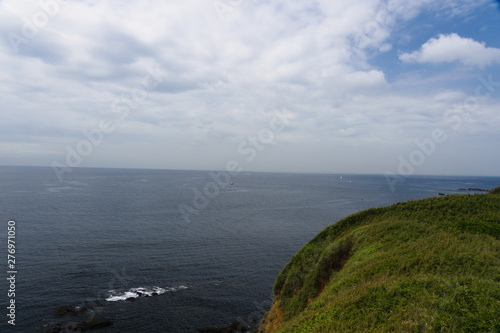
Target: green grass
<point>430,265</point>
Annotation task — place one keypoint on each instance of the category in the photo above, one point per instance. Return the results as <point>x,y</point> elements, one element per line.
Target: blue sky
<point>396,87</point>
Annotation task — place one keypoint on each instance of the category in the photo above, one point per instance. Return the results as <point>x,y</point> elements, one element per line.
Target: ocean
<point>206,248</point>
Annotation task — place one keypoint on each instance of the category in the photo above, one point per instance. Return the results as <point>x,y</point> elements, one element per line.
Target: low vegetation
<point>430,265</point>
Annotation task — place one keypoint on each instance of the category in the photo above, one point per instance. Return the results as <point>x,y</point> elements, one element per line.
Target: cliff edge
<point>429,265</point>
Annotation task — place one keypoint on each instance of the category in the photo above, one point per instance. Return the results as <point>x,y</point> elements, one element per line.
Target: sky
<point>395,87</point>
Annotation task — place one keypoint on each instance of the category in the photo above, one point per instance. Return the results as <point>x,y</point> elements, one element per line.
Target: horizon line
<point>336,173</point>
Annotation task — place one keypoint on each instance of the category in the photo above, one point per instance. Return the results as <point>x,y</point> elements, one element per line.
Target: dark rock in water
<point>235,327</point>
<point>155,294</point>
<point>473,189</point>
<point>130,299</point>
<point>97,322</point>
<point>70,310</point>
<point>55,329</point>
<point>441,194</point>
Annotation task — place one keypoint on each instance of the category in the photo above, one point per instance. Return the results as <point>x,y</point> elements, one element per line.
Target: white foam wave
<point>115,296</point>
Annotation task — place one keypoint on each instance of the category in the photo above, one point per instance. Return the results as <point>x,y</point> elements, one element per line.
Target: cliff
<point>430,265</point>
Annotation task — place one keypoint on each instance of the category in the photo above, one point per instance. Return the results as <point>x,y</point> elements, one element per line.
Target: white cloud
<point>371,79</point>
<point>453,48</point>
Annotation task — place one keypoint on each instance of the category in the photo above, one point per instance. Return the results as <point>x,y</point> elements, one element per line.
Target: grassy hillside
<point>430,265</point>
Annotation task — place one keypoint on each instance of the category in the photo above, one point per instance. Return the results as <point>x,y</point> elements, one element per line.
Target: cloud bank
<point>226,68</point>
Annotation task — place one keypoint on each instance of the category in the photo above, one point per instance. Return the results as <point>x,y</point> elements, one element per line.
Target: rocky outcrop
<point>97,322</point>
<point>66,310</point>
<point>75,319</point>
<point>235,327</point>
<point>473,189</point>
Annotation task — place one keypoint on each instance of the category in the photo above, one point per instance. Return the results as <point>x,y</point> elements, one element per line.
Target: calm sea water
<point>103,234</point>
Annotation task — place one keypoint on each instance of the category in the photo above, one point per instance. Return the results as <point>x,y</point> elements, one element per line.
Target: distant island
<point>430,265</point>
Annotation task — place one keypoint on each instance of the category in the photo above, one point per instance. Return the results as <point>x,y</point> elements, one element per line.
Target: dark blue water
<point>103,233</point>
